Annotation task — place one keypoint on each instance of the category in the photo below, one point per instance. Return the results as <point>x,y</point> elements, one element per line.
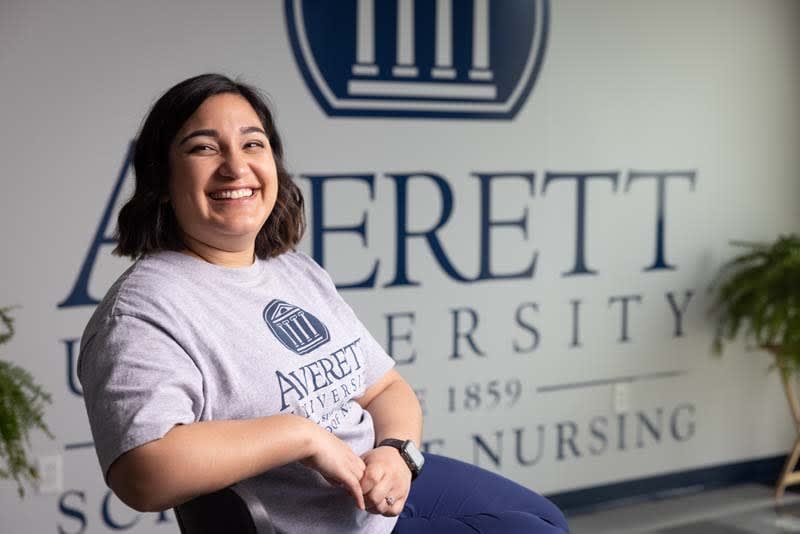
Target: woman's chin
<point>233,242</point>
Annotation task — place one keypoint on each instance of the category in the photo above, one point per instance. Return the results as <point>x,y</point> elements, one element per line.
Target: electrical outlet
<point>622,397</point>
<point>51,474</point>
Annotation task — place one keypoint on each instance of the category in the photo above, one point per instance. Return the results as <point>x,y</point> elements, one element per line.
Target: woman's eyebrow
<point>213,133</point>
<point>252,129</point>
<point>198,133</point>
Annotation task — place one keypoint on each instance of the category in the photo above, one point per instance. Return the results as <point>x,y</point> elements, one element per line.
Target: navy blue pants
<point>452,497</point>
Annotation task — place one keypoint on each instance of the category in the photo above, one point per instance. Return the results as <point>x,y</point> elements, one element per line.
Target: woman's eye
<point>201,149</point>
<point>254,144</point>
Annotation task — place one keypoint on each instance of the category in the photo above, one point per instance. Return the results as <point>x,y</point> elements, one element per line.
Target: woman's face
<point>223,180</point>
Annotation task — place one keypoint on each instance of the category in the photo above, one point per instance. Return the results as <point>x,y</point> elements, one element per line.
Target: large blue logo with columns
<point>419,58</point>
<point>297,329</point>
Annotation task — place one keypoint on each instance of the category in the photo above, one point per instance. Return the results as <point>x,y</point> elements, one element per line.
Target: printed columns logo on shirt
<point>297,329</point>
<point>443,59</point>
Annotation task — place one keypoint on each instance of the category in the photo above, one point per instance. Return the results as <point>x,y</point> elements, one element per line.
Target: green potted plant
<point>757,296</point>
<point>22,404</point>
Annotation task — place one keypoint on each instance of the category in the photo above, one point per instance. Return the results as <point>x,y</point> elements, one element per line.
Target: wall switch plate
<point>51,474</point>
<point>622,397</point>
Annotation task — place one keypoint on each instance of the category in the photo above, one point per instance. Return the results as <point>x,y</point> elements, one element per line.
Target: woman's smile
<point>232,194</point>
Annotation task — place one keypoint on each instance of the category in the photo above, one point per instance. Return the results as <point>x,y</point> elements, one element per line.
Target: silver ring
<point>389,500</point>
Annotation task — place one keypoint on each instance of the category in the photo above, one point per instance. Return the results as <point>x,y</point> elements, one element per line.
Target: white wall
<point>709,87</point>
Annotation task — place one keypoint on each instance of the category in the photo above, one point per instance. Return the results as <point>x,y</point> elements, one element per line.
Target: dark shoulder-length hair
<point>147,222</point>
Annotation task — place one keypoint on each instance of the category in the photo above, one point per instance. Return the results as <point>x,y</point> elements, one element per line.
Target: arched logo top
<point>297,329</point>
<point>408,58</point>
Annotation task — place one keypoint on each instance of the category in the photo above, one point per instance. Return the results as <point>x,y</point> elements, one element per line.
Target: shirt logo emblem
<point>408,58</point>
<point>297,329</point>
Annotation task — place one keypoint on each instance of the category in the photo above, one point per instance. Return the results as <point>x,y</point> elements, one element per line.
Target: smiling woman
<point>223,356</point>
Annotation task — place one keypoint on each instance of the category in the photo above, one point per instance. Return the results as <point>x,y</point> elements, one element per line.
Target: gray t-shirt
<point>177,340</point>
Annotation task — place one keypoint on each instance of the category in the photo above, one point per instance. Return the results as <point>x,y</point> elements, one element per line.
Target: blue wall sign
<point>407,58</point>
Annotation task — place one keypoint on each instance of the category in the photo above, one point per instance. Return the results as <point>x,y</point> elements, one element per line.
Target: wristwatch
<point>409,452</point>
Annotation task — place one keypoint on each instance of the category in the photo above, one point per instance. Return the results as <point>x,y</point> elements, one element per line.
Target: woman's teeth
<point>231,194</point>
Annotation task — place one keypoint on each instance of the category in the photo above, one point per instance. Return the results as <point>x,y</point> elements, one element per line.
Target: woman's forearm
<point>199,458</point>
<point>202,457</point>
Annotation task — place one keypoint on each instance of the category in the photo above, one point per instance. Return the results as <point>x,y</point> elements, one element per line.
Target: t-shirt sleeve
<point>137,384</point>
<point>378,361</point>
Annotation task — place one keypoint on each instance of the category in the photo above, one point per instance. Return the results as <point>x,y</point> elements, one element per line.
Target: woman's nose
<point>234,166</point>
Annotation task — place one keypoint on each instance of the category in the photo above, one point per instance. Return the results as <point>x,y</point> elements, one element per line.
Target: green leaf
<point>756,295</point>
<point>22,407</point>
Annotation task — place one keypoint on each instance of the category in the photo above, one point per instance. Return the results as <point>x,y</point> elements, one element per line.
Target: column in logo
<point>300,329</point>
<point>480,41</point>
<point>365,39</point>
<point>404,66</point>
<point>444,41</point>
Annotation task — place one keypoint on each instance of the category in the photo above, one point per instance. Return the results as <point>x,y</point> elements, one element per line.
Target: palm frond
<point>22,406</point>
<point>757,296</point>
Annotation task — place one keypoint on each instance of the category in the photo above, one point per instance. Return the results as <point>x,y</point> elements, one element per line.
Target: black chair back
<point>230,510</point>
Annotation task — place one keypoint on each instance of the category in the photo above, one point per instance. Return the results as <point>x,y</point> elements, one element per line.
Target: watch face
<point>414,454</point>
